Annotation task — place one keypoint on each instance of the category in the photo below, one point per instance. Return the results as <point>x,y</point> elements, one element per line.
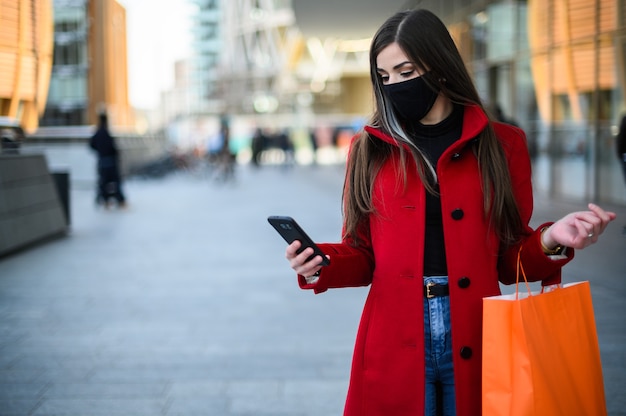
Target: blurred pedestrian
<point>109,178</point>
<point>257,146</point>
<point>225,158</point>
<point>498,112</point>
<point>437,203</point>
<point>284,143</point>
<point>620,147</point>
<point>313,139</point>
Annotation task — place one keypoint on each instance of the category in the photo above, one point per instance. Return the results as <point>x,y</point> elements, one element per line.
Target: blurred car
<point>11,134</point>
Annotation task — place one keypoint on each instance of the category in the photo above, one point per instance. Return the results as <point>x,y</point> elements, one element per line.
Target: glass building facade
<point>89,71</point>
<point>207,46</point>
<point>557,69</point>
<point>68,95</point>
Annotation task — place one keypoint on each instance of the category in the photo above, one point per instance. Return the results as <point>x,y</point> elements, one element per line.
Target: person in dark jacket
<point>620,148</point>
<point>620,145</point>
<point>109,179</point>
<point>437,205</point>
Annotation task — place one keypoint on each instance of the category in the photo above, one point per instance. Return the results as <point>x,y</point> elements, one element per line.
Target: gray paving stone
<point>183,304</point>
<point>19,376</point>
<point>17,407</point>
<point>106,391</point>
<point>12,391</point>
<point>199,406</point>
<point>100,407</point>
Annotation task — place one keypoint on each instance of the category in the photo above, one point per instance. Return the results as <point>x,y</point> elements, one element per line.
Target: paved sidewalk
<point>183,304</point>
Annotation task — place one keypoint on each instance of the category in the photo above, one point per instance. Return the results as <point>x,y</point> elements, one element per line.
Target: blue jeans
<point>440,398</point>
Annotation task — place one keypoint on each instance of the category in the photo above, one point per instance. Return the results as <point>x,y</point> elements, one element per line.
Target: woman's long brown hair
<point>426,41</point>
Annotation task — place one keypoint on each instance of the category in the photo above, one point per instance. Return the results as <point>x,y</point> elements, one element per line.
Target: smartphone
<point>289,229</point>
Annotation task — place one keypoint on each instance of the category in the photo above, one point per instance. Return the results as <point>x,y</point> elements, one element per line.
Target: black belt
<point>433,290</point>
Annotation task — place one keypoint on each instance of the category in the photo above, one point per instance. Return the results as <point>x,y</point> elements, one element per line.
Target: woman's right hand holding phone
<point>298,261</point>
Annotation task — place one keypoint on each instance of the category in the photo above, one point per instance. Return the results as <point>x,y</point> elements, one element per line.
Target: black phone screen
<point>289,229</point>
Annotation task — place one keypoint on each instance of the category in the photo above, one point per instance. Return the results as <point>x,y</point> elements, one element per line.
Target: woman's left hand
<point>578,229</point>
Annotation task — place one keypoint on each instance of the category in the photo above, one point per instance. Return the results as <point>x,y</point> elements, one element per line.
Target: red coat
<point>387,377</point>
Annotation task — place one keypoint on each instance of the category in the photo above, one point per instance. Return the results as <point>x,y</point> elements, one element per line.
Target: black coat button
<point>456,156</point>
<point>464,282</point>
<point>457,214</point>
<point>466,353</point>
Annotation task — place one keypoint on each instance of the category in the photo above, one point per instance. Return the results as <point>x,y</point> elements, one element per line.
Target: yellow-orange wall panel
<point>8,33</point>
<point>26,42</point>
<point>29,79</point>
<point>7,73</point>
<point>557,67</point>
<point>584,63</point>
<point>584,67</point>
<point>608,77</point>
<point>108,78</point>
<point>571,48</point>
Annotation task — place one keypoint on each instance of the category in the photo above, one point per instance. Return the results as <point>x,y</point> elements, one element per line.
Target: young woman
<point>437,201</point>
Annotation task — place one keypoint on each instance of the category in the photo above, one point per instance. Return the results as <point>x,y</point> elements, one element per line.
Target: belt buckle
<point>428,286</point>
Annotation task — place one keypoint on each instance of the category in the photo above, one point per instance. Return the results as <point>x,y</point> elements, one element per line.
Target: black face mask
<point>411,99</point>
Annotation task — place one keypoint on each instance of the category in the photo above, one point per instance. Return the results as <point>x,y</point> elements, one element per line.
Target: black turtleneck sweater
<point>433,140</point>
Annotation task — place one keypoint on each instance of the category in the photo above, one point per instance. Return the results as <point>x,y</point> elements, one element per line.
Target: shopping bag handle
<point>520,267</point>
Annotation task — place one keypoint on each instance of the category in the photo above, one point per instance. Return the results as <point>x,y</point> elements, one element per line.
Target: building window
<point>72,53</point>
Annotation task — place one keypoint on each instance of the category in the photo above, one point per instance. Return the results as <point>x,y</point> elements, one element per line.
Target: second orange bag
<point>541,354</point>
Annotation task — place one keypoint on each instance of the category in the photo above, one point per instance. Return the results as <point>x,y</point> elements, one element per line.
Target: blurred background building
<point>556,68</point>
<point>26,42</point>
<point>89,72</point>
<point>204,67</point>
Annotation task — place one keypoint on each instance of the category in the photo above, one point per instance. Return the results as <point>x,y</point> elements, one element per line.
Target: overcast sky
<point>158,35</point>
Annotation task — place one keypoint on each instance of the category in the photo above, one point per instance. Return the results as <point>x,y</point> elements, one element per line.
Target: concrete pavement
<point>184,305</point>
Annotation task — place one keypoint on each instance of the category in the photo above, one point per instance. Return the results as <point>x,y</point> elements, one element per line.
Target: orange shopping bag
<point>541,354</point>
